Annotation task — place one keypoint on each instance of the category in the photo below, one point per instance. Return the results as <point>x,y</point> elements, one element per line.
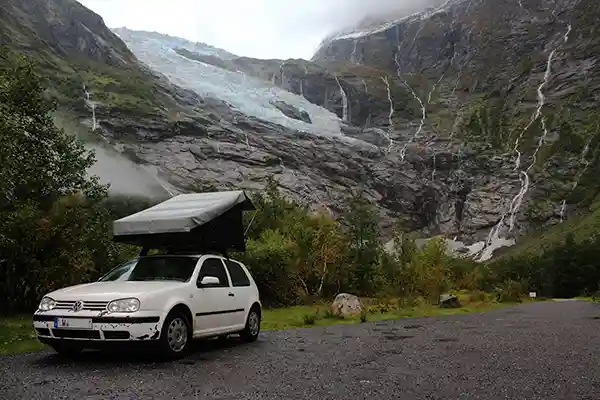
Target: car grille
<point>87,305</point>
<point>76,334</point>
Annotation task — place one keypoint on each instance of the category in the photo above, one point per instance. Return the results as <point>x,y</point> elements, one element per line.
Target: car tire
<point>252,328</point>
<point>66,349</point>
<point>175,336</point>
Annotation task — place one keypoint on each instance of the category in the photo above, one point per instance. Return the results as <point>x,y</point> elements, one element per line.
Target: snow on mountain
<point>382,25</point>
<point>251,96</point>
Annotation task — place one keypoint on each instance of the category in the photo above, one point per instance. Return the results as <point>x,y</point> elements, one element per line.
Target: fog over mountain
<point>258,28</point>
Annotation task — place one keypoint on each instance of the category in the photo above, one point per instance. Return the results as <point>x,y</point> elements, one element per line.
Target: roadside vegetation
<point>56,224</point>
<point>17,334</point>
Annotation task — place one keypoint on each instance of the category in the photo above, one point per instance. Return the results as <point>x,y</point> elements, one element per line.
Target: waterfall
<point>91,105</point>
<point>344,100</point>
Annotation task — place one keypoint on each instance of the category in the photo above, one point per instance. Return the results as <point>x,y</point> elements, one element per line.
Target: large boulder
<point>346,305</point>
<point>449,301</point>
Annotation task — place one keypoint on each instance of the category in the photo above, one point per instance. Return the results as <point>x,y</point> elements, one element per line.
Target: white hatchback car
<point>166,300</point>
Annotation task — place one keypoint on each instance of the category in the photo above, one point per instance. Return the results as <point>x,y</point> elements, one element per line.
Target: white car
<point>165,300</point>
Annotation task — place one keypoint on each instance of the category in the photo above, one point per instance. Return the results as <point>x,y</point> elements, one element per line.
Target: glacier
<point>249,95</point>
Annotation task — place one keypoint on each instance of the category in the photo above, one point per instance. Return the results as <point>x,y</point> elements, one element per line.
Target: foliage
<point>55,219</point>
<point>487,123</point>
<point>510,291</point>
<point>568,269</point>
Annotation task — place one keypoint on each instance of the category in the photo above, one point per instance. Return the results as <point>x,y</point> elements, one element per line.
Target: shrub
<point>477,296</point>
<point>510,292</point>
<point>363,315</point>
<point>310,319</point>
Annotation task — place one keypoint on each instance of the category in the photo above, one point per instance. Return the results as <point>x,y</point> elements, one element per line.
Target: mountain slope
<point>194,142</point>
<point>518,78</point>
<point>428,114</point>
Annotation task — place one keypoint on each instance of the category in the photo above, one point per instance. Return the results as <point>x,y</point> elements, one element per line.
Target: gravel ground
<point>547,350</point>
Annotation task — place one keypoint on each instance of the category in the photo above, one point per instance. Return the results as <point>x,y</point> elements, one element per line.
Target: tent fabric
<point>182,213</point>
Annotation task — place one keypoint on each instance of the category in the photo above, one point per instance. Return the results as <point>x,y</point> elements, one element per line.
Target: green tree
<point>364,248</point>
<point>39,166</point>
<point>40,163</point>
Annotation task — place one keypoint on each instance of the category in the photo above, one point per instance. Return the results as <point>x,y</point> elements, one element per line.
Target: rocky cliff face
<point>511,85</point>
<point>64,27</point>
<point>514,81</point>
<point>473,119</point>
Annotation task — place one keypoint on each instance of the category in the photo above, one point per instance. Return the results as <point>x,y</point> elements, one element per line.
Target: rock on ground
<point>346,305</point>
<point>449,301</point>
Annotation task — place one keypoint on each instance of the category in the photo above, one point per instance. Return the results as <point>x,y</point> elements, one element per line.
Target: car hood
<point>106,291</point>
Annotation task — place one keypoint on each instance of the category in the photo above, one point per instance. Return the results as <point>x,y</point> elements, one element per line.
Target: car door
<point>214,304</point>
<point>241,289</point>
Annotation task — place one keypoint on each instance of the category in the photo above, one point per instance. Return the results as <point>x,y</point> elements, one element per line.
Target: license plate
<point>73,323</point>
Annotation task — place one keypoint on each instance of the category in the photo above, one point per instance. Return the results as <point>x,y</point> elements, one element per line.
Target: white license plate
<point>73,323</point>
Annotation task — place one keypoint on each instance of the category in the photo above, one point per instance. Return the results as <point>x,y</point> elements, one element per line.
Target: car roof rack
<point>190,223</point>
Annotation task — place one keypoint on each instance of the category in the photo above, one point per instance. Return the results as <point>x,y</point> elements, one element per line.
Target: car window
<point>154,268</point>
<point>237,273</point>
<point>214,267</point>
<point>120,272</point>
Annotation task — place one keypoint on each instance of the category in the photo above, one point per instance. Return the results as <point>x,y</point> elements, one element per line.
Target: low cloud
<point>254,28</point>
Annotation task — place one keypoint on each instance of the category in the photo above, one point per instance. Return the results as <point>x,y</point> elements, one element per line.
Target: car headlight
<point>124,305</point>
<point>47,304</point>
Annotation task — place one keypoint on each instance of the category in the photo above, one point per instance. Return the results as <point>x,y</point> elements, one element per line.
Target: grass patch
<point>594,299</point>
<point>320,315</point>
<point>17,335</point>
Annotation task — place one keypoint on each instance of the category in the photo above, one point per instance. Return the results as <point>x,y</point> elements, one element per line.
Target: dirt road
<point>547,350</point>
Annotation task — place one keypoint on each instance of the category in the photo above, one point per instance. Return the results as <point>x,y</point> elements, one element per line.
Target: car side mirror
<point>210,281</point>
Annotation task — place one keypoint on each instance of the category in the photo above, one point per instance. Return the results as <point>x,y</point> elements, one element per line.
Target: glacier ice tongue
<point>249,95</point>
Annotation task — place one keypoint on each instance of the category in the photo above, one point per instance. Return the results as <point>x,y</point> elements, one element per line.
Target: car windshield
<point>154,268</point>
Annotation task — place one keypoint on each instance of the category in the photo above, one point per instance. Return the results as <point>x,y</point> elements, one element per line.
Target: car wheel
<point>66,349</point>
<point>252,329</point>
<point>175,336</point>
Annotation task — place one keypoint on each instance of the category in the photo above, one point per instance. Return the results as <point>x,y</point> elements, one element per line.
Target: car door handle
<point>231,294</point>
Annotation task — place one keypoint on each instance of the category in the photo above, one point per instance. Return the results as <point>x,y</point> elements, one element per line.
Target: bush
<point>363,315</point>
<point>563,270</point>
<point>510,292</point>
<point>477,296</point>
<point>310,319</point>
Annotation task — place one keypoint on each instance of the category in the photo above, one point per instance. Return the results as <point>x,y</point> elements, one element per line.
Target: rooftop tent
<point>197,222</point>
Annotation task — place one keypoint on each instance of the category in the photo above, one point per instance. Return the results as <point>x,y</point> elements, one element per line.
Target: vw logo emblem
<point>78,305</point>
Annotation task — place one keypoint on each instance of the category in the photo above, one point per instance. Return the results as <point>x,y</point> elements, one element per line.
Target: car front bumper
<point>92,327</point>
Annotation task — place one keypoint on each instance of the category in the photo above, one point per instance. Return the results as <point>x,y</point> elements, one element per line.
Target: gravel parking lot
<point>547,350</point>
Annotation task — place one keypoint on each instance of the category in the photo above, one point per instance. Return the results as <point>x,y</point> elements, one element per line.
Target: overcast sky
<point>254,28</point>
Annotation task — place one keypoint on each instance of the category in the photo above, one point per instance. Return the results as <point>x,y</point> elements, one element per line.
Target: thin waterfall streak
<point>563,211</point>
<point>391,114</point>
<point>344,100</point>
<point>525,178</point>
<point>538,111</point>
<point>423,109</point>
<point>353,54</point>
<point>282,74</point>
<point>517,200</point>
<point>92,106</point>
<point>583,160</point>
<point>462,65</point>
